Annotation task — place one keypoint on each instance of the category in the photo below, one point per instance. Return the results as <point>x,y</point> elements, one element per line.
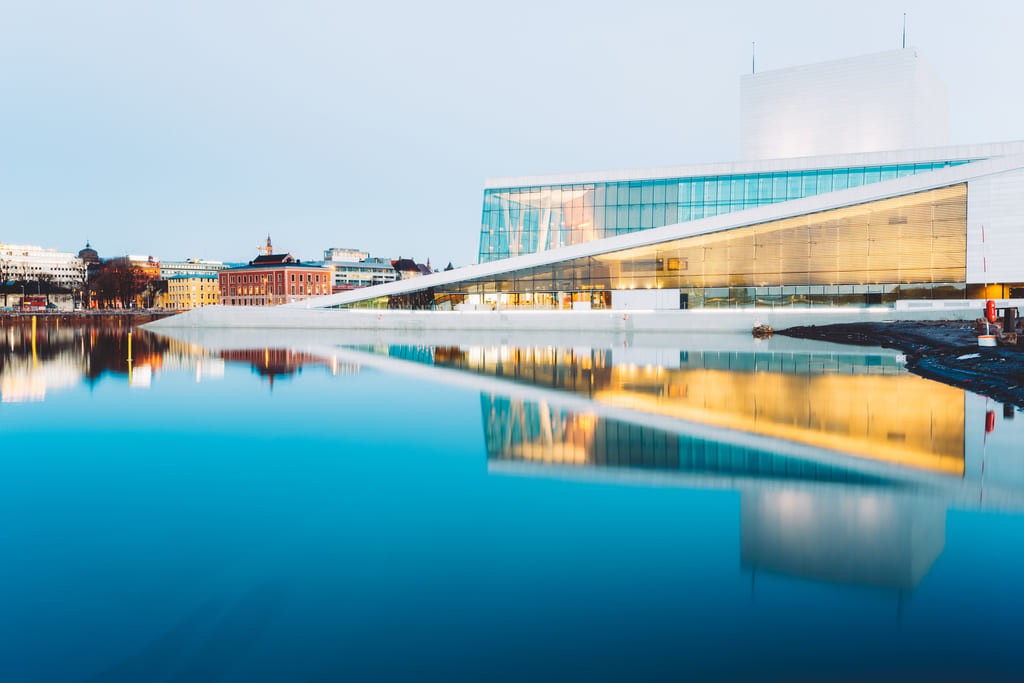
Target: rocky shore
<point>943,351</point>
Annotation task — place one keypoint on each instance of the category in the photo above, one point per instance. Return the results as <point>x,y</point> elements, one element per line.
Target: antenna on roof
<point>753,64</point>
<point>904,30</point>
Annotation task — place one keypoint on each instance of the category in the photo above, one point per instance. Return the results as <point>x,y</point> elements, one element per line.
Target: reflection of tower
<point>861,536</point>
<point>804,519</point>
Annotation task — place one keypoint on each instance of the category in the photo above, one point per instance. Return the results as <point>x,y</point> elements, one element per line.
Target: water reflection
<point>40,355</point>
<point>44,354</point>
<point>845,464</point>
<point>816,521</point>
<point>863,404</point>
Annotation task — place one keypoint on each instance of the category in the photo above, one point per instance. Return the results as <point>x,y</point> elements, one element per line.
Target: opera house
<point>848,198</point>
<point>846,195</point>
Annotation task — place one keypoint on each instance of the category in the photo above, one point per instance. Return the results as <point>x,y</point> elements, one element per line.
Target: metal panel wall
<point>996,203</point>
<point>889,100</point>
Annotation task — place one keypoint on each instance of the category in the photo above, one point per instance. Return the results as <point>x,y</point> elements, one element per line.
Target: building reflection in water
<point>56,352</point>
<point>874,515</point>
<point>280,363</point>
<point>798,518</point>
<point>48,353</point>
<point>864,405</point>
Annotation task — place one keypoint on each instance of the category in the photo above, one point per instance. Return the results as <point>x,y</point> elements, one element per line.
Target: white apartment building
<point>31,262</point>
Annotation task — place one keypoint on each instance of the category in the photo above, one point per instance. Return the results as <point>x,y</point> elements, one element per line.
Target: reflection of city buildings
<point>273,363</point>
<point>50,353</point>
<point>39,356</point>
<point>22,380</point>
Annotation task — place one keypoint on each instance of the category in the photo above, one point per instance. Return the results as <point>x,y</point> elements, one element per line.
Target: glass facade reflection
<point>525,220</point>
<point>863,405</point>
<point>913,246</point>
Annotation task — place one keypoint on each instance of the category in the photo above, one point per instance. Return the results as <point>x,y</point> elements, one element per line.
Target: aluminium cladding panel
<point>995,206</point>
<point>885,101</point>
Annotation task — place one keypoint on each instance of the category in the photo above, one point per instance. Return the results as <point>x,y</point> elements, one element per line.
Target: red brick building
<point>272,279</point>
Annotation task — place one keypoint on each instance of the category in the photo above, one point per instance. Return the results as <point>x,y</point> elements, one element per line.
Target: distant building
<point>89,255</point>
<point>354,268</point>
<point>30,263</point>
<point>131,281</point>
<point>370,271</point>
<point>408,268</point>
<point>342,254</point>
<point>272,279</point>
<point>149,265</point>
<point>185,292</point>
<point>169,269</point>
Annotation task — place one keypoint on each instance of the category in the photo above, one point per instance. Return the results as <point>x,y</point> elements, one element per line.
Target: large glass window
<point>905,247</point>
<point>524,220</point>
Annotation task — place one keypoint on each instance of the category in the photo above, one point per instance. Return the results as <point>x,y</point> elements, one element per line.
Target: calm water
<point>271,506</point>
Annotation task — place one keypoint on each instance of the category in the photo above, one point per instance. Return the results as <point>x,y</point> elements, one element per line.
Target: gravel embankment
<point>943,351</point>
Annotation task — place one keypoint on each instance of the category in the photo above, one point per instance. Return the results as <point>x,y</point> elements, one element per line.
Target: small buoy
<point>986,340</point>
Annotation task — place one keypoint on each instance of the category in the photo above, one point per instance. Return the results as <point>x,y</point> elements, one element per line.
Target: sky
<point>197,128</point>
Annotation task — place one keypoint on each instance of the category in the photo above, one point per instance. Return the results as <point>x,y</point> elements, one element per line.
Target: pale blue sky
<point>195,128</point>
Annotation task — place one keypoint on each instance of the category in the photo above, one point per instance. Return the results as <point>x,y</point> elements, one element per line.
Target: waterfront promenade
<point>517,320</point>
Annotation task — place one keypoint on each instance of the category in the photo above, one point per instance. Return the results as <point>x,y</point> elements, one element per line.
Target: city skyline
<point>194,131</point>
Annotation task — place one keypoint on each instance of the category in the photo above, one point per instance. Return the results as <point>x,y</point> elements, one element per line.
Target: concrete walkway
<point>695,320</point>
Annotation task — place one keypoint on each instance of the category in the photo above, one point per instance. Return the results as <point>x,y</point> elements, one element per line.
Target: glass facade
<point>525,220</point>
<point>914,246</point>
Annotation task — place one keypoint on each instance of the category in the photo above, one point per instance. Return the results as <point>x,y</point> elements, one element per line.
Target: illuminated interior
<point>524,220</point>
<point>914,246</point>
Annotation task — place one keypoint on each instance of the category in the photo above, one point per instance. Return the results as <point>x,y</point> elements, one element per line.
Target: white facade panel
<point>885,101</point>
<point>995,206</point>
<point>645,299</point>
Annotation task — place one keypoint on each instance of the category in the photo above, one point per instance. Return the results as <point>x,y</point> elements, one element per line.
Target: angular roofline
<point>907,156</point>
<point>921,182</point>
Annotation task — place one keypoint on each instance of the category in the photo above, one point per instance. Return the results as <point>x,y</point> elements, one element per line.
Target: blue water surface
<point>352,525</point>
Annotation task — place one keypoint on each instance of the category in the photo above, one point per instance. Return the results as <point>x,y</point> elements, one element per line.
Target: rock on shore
<point>943,351</point>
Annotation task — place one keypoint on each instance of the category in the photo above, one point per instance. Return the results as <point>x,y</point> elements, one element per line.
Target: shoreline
<point>944,351</point>
<point>88,314</point>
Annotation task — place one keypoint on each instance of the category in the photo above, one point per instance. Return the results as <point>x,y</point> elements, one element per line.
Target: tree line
<point>116,283</point>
